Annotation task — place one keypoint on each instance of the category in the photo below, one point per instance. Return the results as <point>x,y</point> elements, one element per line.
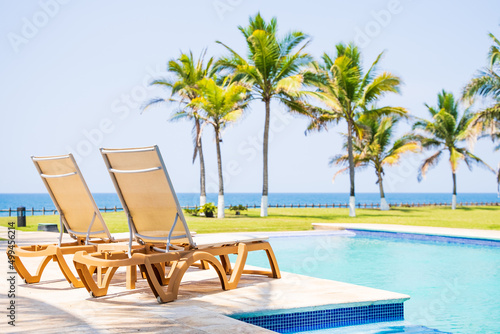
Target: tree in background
<point>272,69</point>
<point>222,104</point>
<point>487,84</point>
<point>345,93</point>
<point>187,72</point>
<point>376,148</point>
<point>445,132</point>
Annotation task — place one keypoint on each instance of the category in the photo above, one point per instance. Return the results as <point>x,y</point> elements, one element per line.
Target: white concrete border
<point>427,230</point>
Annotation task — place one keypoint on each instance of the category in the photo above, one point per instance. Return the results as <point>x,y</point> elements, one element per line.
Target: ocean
<point>39,201</point>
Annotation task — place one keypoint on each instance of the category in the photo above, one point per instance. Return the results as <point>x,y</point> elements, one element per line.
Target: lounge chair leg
<point>155,286</point>
<point>224,259</point>
<point>108,276</point>
<point>204,265</point>
<point>143,274</point>
<point>74,282</point>
<point>24,273</point>
<point>85,272</point>
<point>238,267</point>
<point>131,277</point>
<point>159,270</point>
<point>99,276</point>
<point>275,271</point>
<point>92,269</point>
<point>177,274</point>
<point>47,252</point>
<point>272,262</point>
<point>173,264</point>
<point>90,284</point>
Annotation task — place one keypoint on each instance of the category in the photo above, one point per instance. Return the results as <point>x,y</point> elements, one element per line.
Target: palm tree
<point>186,74</point>
<point>498,180</point>
<point>346,93</point>
<point>487,84</point>
<point>445,132</point>
<point>272,70</point>
<point>375,149</point>
<point>222,105</point>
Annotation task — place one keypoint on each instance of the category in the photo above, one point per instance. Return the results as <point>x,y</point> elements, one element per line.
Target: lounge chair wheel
<point>91,294</point>
<point>25,281</point>
<point>71,285</point>
<point>158,299</point>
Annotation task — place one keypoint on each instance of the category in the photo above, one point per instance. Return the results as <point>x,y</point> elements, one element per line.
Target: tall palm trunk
<point>352,200</point>
<point>265,186</point>
<point>203,194</point>
<point>454,197</point>
<point>220,203</point>
<point>383,203</point>
<point>498,181</point>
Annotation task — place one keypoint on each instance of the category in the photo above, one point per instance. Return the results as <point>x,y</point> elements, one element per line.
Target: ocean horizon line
<point>110,200</point>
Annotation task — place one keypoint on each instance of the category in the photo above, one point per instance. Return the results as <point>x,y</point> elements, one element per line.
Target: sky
<point>74,75</point>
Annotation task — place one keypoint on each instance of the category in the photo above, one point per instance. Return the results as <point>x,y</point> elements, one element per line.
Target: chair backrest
<point>147,195</point>
<point>71,196</point>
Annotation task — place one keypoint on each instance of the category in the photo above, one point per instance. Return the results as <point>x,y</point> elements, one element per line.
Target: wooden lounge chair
<point>156,221</point>
<point>79,215</point>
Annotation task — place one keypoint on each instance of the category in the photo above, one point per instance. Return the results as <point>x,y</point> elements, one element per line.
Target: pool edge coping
<point>411,229</point>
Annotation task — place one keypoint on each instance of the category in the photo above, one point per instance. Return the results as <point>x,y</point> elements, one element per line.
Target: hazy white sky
<point>74,74</point>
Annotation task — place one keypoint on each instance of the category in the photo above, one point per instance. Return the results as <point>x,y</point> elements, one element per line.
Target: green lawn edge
<point>301,219</point>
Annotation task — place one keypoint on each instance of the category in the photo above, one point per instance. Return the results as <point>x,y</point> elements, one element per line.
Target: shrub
<point>208,209</point>
<point>237,208</point>
<point>194,212</point>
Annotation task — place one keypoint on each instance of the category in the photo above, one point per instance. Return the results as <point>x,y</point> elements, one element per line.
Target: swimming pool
<point>454,287</point>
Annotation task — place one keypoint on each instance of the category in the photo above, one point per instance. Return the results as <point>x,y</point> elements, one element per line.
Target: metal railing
<point>44,211</point>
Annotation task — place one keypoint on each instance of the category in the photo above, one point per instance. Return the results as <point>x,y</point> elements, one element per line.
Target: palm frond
<point>291,40</point>
<point>427,143</point>
<point>471,159</point>
<point>455,157</point>
<point>486,84</point>
<point>379,86</point>
<point>401,146</point>
<point>152,102</point>
<point>339,160</point>
<point>428,163</point>
<point>370,74</point>
<point>388,111</point>
<point>229,62</point>
<point>358,165</point>
<point>340,171</point>
<point>494,53</point>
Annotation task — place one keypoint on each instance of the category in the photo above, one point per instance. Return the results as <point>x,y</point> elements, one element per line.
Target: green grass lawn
<point>486,218</point>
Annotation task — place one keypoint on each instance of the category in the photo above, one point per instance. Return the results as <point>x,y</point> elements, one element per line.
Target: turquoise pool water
<point>453,287</point>
<point>380,328</point>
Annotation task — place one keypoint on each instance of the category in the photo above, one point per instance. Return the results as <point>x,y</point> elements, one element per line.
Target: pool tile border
<point>329,318</point>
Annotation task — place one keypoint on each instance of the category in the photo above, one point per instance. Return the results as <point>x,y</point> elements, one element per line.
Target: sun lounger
<point>156,221</point>
<point>79,215</point>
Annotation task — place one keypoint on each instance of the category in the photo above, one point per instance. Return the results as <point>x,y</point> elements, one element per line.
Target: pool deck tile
<point>52,306</point>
